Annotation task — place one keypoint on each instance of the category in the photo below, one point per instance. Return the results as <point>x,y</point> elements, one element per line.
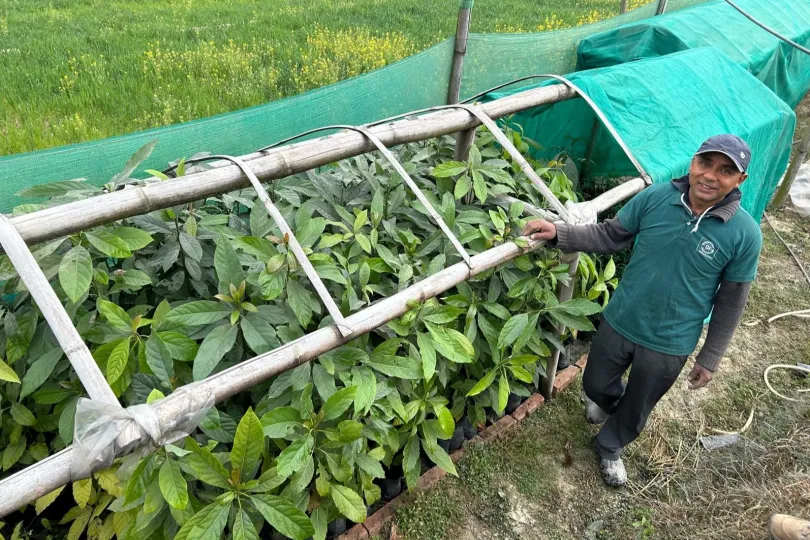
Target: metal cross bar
<point>292,242</point>
<point>54,312</point>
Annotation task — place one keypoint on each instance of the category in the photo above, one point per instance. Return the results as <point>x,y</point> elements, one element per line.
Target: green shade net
<point>664,108</point>
<point>417,82</point>
<point>783,68</point>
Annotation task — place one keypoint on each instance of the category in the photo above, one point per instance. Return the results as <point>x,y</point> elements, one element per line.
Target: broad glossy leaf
<point>117,362</point>
<point>446,422</point>
<point>283,516</point>
<point>39,371</point>
<point>207,524</point>
<point>298,298</point>
<point>403,367</point>
<point>46,500</point>
<point>115,315</point>
<point>410,461</point>
<point>134,238</point>
<point>258,333</point>
<point>243,528</point>
<point>159,359</point>
<point>438,456</point>
<point>226,263</point>
<point>292,457</point>
<point>173,485</point>
<point>215,345</point>
<point>108,243</point>
<point>81,491</point>
<point>448,168</point>
<point>348,502</point>
<point>279,421</point>
<point>338,403</point>
<point>512,330</point>
<point>76,273</point>
<point>428,355</point>
<point>483,384</point>
<point>205,466</point>
<point>247,446</point>
<point>180,347</point>
<point>503,393</point>
<point>8,374</point>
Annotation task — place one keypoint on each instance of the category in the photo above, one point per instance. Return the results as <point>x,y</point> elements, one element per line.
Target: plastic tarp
<point>664,108</point>
<point>783,68</point>
<point>417,82</point>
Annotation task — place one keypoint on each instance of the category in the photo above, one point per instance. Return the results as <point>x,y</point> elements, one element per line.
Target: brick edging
<point>376,522</point>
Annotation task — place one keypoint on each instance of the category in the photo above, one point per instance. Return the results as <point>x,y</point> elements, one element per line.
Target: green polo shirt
<point>668,288</point>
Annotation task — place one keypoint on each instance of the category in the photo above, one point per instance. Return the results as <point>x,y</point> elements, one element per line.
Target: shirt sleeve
<point>743,267</point>
<point>729,304</point>
<point>631,213</point>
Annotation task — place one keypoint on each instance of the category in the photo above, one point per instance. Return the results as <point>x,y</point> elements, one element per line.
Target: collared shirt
<point>678,262</point>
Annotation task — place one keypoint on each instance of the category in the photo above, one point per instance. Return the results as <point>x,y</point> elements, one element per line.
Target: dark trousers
<point>651,375</point>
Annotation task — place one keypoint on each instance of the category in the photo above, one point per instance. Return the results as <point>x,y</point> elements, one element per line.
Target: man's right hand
<point>540,229</point>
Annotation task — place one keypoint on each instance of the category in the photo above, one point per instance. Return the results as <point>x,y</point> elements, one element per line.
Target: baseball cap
<point>732,146</point>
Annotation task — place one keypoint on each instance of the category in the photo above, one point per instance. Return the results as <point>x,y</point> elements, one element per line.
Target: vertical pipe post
<point>564,292</point>
<point>464,139</point>
<point>586,164</point>
<point>623,7</point>
<point>662,7</point>
<point>460,49</point>
<point>782,193</point>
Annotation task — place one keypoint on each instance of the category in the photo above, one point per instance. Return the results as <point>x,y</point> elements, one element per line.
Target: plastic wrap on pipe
<point>103,431</point>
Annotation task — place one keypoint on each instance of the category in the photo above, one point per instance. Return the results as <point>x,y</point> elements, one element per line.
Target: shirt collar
<point>724,210</point>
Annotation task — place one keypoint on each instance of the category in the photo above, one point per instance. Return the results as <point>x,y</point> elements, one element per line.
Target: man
<point>695,254</point>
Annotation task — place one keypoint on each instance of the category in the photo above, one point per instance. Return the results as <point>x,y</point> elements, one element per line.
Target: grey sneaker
<point>613,472</point>
<point>593,412</point>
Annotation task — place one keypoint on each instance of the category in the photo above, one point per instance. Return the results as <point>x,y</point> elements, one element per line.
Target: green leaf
<point>462,187</point>
<point>410,462</point>
<point>428,354</point>
<point>292,457</point>
<point>109,244</point>
<point>118,360</point>
<point>8,374</point>
<point>298,298</point>
<point>503,392</point>
<point>512,330</point>
<point>247,446</point>
<point>243,528</point>
<point>159,359</point>
<point>448,168</point>
<point>78,526</point>
<point>369,465</point>
<point>207,524</point>
<point>191,247</point>
<point>180,347</point>
<point>39,371</point>
<point>479,186</point>
<point>446,422</point>
<point>76,273</point>
<point>397,366</point>
<point>173,485</point>
<point>226,263</point>
<point>46,500</point>
<point>348,502</point>
<point>377,206</point>
<point>283,516</point>
<point>360,221</point>
<point>115,315</point>
<point>132,163</point>
<point>310,232</point>
<point>319,520</point>
<point>81,491</point>
<point>22,415</point>
<point>277,423</point>
<point>258,333</point>
<point>271,284</point>
<point>610,270</point>
<point>338,403</point>
<point>350,430</point>
<point>577,307</point>
<point>133,238</point>
<point>438,456</point>
<point>364,242</point>
<point>205,466</point>
<point>572,321</point>
<point>483,384</point>
<point>497,310</point>
<point>215,345</point>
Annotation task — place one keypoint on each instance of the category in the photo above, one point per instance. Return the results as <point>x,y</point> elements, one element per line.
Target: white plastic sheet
<point>800,191</point>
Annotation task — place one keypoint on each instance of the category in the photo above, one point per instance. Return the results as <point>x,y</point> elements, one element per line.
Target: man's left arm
<point>729,303</point>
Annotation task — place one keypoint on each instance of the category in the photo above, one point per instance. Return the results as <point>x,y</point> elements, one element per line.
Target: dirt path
<point>524,487</point>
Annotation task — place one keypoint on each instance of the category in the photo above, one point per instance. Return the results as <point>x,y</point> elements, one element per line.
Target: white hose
<point>783,366</point>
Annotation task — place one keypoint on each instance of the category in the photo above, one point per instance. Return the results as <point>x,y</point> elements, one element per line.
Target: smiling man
<point>695,254</point>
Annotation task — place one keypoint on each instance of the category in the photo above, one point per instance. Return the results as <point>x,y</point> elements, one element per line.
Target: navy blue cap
<point>730,145</point>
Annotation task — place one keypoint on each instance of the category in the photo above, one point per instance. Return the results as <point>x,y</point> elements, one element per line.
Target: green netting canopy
<point>664,108</point>
<point>782,68</point>
<point>416,82</point>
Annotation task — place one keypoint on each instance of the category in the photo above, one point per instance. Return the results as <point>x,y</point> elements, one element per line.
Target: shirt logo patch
<point>707,248</point>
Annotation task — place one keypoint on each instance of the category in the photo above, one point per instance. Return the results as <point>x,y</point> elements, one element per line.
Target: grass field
<point>75,70</point>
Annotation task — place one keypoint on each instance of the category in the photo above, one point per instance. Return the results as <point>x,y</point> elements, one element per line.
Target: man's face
<point>712,176</point>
